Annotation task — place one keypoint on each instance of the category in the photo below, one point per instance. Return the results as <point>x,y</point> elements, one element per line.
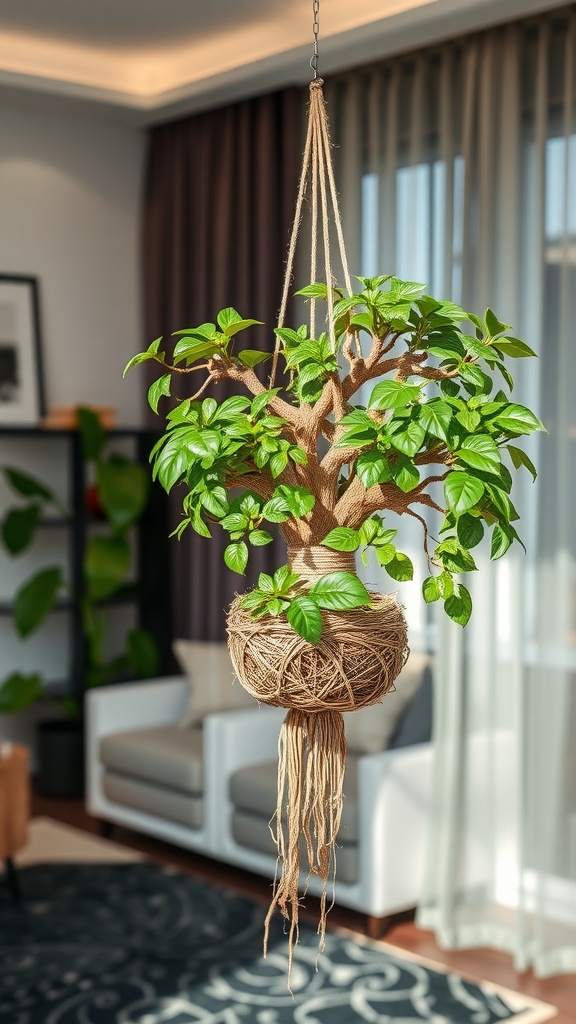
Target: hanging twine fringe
<point>312,752</point>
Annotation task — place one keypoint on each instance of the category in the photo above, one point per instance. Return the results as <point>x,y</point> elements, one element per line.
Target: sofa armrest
<point>233,740</point>
<point>124,707</point>
<point>394,793</point>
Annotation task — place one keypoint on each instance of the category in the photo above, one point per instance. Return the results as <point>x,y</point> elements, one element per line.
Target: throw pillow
<point>369,730</point>
<point>213,685</point>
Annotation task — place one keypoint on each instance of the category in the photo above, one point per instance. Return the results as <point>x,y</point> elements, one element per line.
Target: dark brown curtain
<point>219,201</point>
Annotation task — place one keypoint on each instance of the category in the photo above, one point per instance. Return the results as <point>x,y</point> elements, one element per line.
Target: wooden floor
<point>401,931</point>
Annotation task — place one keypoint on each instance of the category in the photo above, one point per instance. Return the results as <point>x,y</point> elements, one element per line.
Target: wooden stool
<point>14,807</point>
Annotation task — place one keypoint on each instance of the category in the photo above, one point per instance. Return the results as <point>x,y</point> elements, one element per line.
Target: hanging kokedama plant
<point>432,434</point>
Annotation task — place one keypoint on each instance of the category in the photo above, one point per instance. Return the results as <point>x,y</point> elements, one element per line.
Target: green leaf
<point>19,691</point>
<point>519,458</point>
<point>284,579</point>
<point>278,463</point>
<point>372,468</point>
<point>156,390</point>
<point>193,348</point>
<point>400,567</point>
<point>385,553</point>
<point>240,325</point>
<point>514,348</point>
<point>409,440</point>
<point>494,326</point>
<point>305,618</point>
<point>143,653</point>
<point>299,500</point>
<point>19,527</point>
<point>517,419</point>
<point>405,474</point>
<point>435,417</point>
<point>261,401</point>
<point>123,490</point>
<point>454,556</point>
<point>215,501</point>
<point>259,538</point>
<point>236,556</point>
<point>480,452</point>
<point>92,433</point>
<point>462,491</point>
<point>469,418</point>
<point>35,599</point>
<point>26,485</point>
<point>235,521</point>
<point>340,590</point>
<point>314,291</point>
<point>106,563</point>
<point>209,407</point>
<point>459,605</point>
<point>431,589</point>
<point>393,394</point>
<point>252,357</point>
<point>342,539</point>
<point>276,510</point>
<point>227,318</point>
<point>470,530</point>
<point>502,537</point>
<point>142,357</point>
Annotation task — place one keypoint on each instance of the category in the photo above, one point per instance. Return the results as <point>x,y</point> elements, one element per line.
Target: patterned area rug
<point>141,944</point>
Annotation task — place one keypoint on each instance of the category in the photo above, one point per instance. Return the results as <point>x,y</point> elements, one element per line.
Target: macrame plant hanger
<point>359,656</point>
<point>312,746</point>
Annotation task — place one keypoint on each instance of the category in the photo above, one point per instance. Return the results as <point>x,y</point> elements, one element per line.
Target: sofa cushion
<point>165,755</point>
<point>254,789</point>
<point>213,685</point>
<point>162,802</point>
<point>369,730</point>
<point>415,725</point>
<point>251,830</point>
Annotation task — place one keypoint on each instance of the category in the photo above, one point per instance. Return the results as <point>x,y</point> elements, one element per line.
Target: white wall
<point>70,189</point>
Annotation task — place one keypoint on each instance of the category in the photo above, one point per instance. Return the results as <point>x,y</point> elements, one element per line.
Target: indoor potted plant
<point>435,432</point>
<point>116,497</point>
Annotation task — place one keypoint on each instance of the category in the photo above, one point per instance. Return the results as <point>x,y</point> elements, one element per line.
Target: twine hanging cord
<point>318,168</point>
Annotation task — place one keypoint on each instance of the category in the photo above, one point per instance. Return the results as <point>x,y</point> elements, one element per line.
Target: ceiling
<point>160,57</point>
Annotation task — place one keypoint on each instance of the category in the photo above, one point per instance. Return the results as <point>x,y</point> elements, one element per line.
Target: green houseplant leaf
<point>19,528</point>
<point>123,489</point>
<point>35,599</point>
<point>106,563</point>
<point>19,691</point>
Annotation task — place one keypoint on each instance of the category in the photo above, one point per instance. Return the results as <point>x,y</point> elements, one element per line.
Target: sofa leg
<point>105,828</point>
<point>376,927</point>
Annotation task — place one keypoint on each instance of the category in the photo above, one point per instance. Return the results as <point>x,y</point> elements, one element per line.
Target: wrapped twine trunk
<point>360,654</point>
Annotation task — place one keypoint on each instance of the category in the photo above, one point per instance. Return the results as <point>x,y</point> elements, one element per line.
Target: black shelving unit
<point>149,592</point>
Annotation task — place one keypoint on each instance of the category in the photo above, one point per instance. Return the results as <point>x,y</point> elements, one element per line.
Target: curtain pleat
<point>468,182</point>
<point>219,201</point>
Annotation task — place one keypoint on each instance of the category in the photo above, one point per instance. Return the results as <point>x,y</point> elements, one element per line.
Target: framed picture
<point>21,384</point>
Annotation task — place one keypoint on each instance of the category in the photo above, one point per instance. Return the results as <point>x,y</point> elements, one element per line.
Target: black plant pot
<point>61,758</point>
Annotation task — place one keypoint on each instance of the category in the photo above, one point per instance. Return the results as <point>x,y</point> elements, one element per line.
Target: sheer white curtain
<point>457,167</point>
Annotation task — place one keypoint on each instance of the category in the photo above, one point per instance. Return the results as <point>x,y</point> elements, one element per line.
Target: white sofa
<point>393,791</point>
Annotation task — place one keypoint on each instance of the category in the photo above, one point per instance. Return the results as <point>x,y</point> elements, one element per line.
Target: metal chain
<point>315,29</point>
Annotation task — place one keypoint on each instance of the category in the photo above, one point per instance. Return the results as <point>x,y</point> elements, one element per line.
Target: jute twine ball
<point>360,654</point>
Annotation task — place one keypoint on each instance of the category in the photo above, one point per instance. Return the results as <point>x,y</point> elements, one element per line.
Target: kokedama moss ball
<point>360,654</point>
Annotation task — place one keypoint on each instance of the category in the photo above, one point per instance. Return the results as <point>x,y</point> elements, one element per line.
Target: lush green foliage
<point>121,487</point>
<point>435,420</point>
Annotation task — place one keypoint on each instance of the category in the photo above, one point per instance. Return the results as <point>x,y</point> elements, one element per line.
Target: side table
<point>14,807</point>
